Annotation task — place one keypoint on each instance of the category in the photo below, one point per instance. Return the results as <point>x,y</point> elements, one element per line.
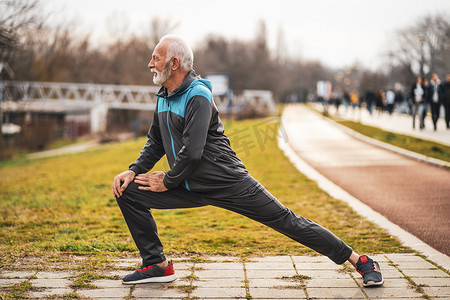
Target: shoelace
<point>367,267</point>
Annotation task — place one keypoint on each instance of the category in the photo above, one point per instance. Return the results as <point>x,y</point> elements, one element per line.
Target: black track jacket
<point>187,128</point>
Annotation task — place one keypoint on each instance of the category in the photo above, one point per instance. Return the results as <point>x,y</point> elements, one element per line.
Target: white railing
<point>46,91</point>
<point>121,96</point>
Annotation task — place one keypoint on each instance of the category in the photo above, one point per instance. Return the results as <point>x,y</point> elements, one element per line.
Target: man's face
<point>435,77</point>
<point>159,66</point>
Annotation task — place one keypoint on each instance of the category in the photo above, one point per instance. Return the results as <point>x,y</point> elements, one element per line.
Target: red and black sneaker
<point>370,271</point>
<point>153,273</point>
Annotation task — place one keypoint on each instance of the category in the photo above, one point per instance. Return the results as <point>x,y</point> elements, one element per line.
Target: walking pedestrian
<point>423,106</point>
<point>447,100</point>
<point>370,97</point>
<point>204,170</point>
<point>390,99</point>
<point>416,96</point>
<point>436,95</point>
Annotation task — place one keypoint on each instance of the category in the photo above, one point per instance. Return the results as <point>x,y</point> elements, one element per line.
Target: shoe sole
<point>373,283</point>
<point>163,279</point>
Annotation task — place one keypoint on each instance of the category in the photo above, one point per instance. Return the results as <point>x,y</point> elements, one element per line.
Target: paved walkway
<point>395,123</point>
<point>406,276</point>
<point>411,194</point>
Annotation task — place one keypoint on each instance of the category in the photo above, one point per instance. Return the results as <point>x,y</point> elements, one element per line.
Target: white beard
<point>161,77</point>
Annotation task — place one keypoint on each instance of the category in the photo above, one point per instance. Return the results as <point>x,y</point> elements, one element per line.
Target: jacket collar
<point>191,76</point>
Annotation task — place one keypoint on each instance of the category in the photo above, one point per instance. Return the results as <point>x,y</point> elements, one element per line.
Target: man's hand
<point>151,182</point>
<point>121,182</point>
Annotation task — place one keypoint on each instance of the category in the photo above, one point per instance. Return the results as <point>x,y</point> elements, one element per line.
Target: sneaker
<point>370,270</point>
<point>153,273</point>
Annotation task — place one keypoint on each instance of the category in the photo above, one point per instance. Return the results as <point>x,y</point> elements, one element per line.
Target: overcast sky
<point>336,32</point>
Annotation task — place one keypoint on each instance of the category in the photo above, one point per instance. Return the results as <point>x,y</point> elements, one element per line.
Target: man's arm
<point>150,154</point>
<point>152,151</point>
<point>197,119</point>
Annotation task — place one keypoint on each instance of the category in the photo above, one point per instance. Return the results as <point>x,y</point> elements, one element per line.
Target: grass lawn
<point>63,205</point>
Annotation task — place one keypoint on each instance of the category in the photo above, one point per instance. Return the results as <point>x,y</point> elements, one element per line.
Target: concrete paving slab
<point>54,275</point>
<point>112,293</point>
<point>334,293</point>
<point>183,265</point>
<point>379,258</point>
<point>270,273</point>
<point>10,281</point>
<point>433,281</point>
<point>51,283</point>
<point>396,257</point>
<point>317,266</point>
<point>120,273</point>
<point>269,266</point>
<point>329,274</point>
<point>49,293</point>
<point>425,273</point>
<point>220,266</point>
<point>395,283</point>
<point>221,274</point>
<point>219,283</point>
<point>125,263</point>
<point>150,291</point>
<point>281,259</point>
<point>441,291</point>
<point>336,283</point>
<point>275,293</point>
<point>107,283</point>
<point>388,293</point>
<point>224,258</point>
<point>310,259</point>
<point>17,274</point>
<point>208,293</point>
<point>417,265</point>
<point>271,282</point>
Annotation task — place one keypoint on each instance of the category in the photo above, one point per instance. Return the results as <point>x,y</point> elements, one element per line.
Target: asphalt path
<point>410,193</point>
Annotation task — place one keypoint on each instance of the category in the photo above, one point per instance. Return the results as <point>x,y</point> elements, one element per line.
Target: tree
<point>16,15</point>
<point>424,47</point>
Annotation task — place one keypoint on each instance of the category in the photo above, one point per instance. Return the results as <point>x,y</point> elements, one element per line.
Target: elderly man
<point>204,170</point>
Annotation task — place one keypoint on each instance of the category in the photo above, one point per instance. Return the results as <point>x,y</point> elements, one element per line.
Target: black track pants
<point>255,203</point>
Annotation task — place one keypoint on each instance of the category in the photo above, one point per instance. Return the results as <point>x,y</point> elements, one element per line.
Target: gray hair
<point>180,49</point>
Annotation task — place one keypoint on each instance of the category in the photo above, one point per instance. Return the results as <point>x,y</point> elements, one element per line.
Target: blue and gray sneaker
<point>153,273</point>
<point>370,270</point>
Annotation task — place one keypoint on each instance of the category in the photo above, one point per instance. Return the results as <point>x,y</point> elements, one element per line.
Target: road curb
<point>364,210</point>
<point>383,145</point>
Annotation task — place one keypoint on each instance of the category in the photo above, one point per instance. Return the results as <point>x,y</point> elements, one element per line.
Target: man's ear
<point>174,63</point>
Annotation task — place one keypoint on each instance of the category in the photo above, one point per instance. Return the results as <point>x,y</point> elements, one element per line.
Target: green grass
<point>64,205</point>
<point>407,142</point>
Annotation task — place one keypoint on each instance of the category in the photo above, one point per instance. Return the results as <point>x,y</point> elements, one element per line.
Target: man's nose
<point>151,64</point>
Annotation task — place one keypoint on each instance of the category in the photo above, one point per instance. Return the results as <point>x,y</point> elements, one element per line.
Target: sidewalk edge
<point>364,210</point>
<point>383,145</point>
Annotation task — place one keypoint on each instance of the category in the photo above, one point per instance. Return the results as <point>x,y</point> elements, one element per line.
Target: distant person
<point>390,100</point>
<point>416,96</point>
<point>346,99</point>
<point>379,101</point>
<point>423,106</point>
<point>204,170</point>
<point>399,101</point>
<point>370,97</point>
<point>354,98</point>
<point>446,101</point>
<point>436,96</point>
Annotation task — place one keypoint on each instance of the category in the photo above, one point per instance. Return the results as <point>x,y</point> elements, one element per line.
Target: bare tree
<point>160,27</point>
<point>16,15</point>
<point>424,46</point>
